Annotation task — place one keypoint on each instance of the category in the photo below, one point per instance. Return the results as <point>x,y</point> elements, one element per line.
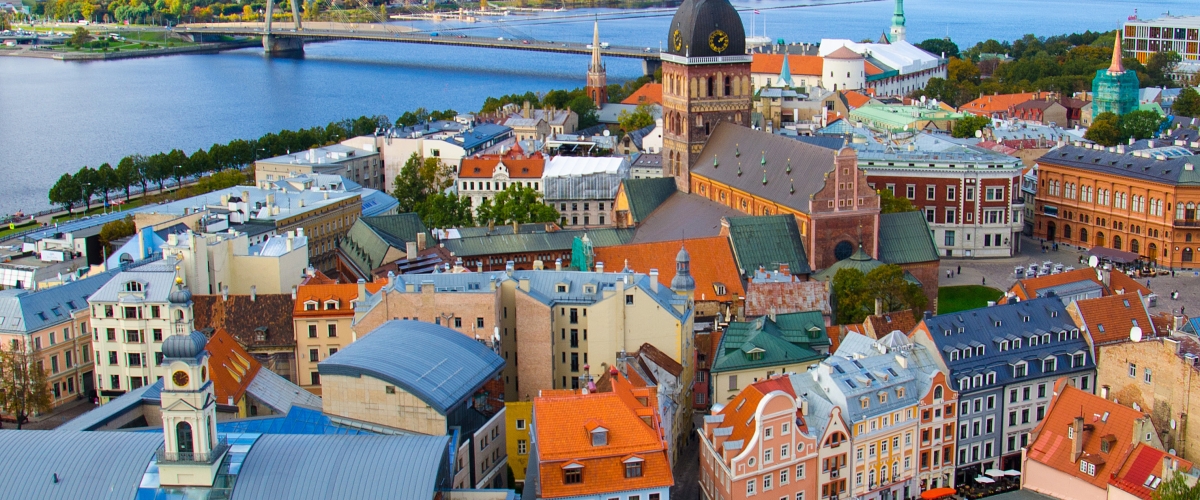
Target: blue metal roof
<point>24,311</point>
<point>473,139</point>
<point>93,465</point>
<point>988,327</point>
<point>301,467</point>
<point>97,417</point>
<point>298,420</point>
<point>440,366</point>
<point>377,203</point>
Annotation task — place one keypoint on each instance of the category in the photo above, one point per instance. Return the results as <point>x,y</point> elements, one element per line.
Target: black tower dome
<point>706,28</point>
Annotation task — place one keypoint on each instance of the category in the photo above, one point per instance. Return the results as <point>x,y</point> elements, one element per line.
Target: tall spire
<point>597,79</point>
<point>785,74</point>
<point>897,33</point>
<point>1116,67</point>
<point>596,65</point>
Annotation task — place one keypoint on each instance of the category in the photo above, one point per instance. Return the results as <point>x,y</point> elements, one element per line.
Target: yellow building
<point>518,415</point>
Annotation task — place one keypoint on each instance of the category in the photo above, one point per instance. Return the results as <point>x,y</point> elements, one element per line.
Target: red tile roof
<point>1027,288</point>
<point>344,293</point>
<point>856,99</point>
<point>798,65</point>
<point>872,69</point>
<point>1109,319</point>
<point>563,421</point>
<point>230,366</point>
<point>1052,446</point>
<point>712,262</point>
<point>519,165</point>
<point>890,322</point>
<point>1144,462</point>
<point>739,413</point>
<point>649,93</point>
<point>989,104</point>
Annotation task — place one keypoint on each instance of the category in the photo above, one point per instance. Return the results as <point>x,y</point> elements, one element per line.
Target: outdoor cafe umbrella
<point>994,472</point>
<point>937,493</point>
<point>1013,472</point>
<point>984,479</point>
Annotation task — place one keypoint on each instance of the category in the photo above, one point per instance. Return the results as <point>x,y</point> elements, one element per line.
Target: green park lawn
<point>960,298</point>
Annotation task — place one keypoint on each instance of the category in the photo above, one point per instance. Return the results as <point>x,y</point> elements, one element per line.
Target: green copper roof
<point>859,260</point>
<point>645,195</point>
<point>904,238</point>
<point>767,241</point>
<point>790,339</point>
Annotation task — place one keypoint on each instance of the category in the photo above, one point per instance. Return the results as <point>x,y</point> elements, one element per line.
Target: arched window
<point>1099,239</point>
<point>1083,235</point>
<point>1152,250</point>
<point>1116,242</point>
<point>1067,231</point>
<point>183,437</point>
<point>728,85</point>
<point>937,392</point>
<point>1187,254</point>
<point>1134,247</point>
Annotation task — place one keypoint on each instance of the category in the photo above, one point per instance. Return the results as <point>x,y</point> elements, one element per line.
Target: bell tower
<point>191,453</point>
<point>597,79</point>
<point>706,81</point>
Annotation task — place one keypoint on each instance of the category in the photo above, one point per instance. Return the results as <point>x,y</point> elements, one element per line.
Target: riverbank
<point>204,48</point>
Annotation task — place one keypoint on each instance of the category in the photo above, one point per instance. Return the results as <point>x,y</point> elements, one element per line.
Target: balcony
<point>1187,223</point>
<point>162,455</point>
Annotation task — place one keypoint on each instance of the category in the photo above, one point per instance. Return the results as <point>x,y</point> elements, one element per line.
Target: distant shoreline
<point>207,48</point>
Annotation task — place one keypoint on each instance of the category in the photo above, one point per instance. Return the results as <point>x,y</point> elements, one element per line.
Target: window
<point>314,355</point>
<point>950,192</point>
<point>522,448</point>
<point>733,382</point>
<point>910,192</point>
<point>969,194</point>
<point>1132,369</point>
<point>783,476</point>
<point>1147,377</point>
<point>930,192</point>
<point>767,481</point>
<point>633,469</point>
<point>750,487</point>
<point>333,330</point>
<point>949,238</point>
<point>1048,365</point>
<point>573,476</point>
<point>994,193</point>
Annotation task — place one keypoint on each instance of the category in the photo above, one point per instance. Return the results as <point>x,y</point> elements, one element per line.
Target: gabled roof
<point>767,241</point>
<point>648,93</point>
<point>26,311</point>
<point>904,238</point>
<point>989,104</point>
<point>1109,319</point>
<point>279,393</point>
<point>761,155</point>
<point>369,240</point>
<point>157,279</point>
<point>440,366</point>
<point>712,263</point>
<point>245,318</point>
<point>1032,287</point>
<point>789,339</point>
<point>683,215</point>
<point>645,195</point>
<point>99,465</point>
<point>740,412</point>
<point>343,293</point>
<point>1108,420</point>
<point>231,367</point>
<point>904,321</point>
<point>798,64</point>
<point>1142,473</point>
<point>850,381</point>
<point>856,99</point>
<point>519,166</point>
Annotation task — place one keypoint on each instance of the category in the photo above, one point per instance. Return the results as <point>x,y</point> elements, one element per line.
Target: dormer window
<point>882,397</point>
<point>954,355</point>
<point>755,354</point>
<point>331,305</point>
<point>1016,344</point>
<point>1087,467</point>
<point>589,289</point>
<point>1020,369</point>
<point>561,288</point>
<point>899,393</point>
<point>310,305</point>
<point>1053,314</point>
<point>1045,338</point>
<point>1003,345</point>
<point>998,323</point>
<point>1049,365</point>
<point>573,474</point>
<point>633,468</point>
<point>1033,341</point>
<point>979,351</point>
<point>947,332</point>
<point>865,402</point>
<point>133,286</point>
<point>599,436</point>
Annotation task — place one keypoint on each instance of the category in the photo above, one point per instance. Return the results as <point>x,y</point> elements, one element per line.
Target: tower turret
<point>683,283</point>
<point>191,453</point>
<point>897,33</point>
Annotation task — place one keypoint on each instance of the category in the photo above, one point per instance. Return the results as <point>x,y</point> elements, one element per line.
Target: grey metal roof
<point>157,281</point>
<point>24,311</point>
<point>759,154</point>
<point>683,215</point>
<point>279,393</point>
<point>598,186</point>
<point>103,414</point>
<point>301,467</point>
<point>497,244</point>
<point>91,465</point>
<point>852,379</point>
<point>543,285</point>
<point>440,366</point>
<point>1169,170</point>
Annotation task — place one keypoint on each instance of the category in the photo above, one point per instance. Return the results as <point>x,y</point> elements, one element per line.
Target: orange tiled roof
<point>1027,288</point>
<point>1109,319</point>
<point>712,262</point>
<point>1143,462</point>
<point>996,103</point>
<point>1053,448</point>
<point>857,99</point>
<point>520,165</point>
<point>890,322</point>
<point>797,64</point>
<point>317,278</point>
<point>1122,282</point>
<point>872,69</point>
<point>739,413</point>
<point>649,93</point>
<point>231,367</point>
<point>342,292</point>
<point>563,421</point>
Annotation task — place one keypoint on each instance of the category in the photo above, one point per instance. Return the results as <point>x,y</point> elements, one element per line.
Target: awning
<point>937,493</point>
<point>1117,256</point>
<point>1013,472</point>
<point>984,479</point>
<point>994,472</point>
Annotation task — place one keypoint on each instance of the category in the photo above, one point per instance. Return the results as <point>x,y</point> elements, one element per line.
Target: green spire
<point>789,166</point>
<point>764,177</point>
<point>737,152</point>
<point>898,15</point>
<point>792,188</point>
<point>739,169</point>
<point>764,158</point>
<point>714,161</point>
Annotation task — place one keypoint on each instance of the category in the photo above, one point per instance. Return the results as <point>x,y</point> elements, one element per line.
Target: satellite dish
<point>1093,261</point>
<point>1135,334</point>
<point>1171,451</point>
<point>978,134</point>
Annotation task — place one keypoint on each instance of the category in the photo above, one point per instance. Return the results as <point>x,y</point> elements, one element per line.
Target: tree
<point>176,166</point>
<point>65,192</point>
<point>1140,124</point>
<point>1188,103</point>
<point>445,210</point>
<point>89,184</point>
<point>520,204</point>
<point>1105,129</point>
<point>855,293</point>
<point>642,116</point>
<point>200,163</point>
<point>80,37</point>
<point>583,106</point>
<point>960,70</point>
<point>419,179</point>
<point>939,46</point>
<point>850,296</point>
<point>1160,66</point>
<point>967,126</point>
<point>115,230</point>
<point>23,388</point>
<point>106,178</point>
<point>890,204</point>
<point>1176,488</point>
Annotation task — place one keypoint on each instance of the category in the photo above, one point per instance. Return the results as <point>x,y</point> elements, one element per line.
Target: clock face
<point>718,41</point>
<point>677,40</point>
<point>180,378</point>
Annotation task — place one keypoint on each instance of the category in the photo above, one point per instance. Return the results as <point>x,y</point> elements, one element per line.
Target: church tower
<point>897,33</point>
<point>1115,89</point>
<point>597,79</point>
<point>191,453</point>
<point>706,81</point>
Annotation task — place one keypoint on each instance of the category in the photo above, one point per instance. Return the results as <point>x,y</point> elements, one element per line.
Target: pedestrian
<point>1147,283</point>
<point>985,281</point>
<point>959,269</point>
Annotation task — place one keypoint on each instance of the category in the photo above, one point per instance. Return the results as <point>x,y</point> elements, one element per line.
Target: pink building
<point>761,443</point>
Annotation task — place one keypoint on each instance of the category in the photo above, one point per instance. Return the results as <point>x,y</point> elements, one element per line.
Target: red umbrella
<point>937,493</point>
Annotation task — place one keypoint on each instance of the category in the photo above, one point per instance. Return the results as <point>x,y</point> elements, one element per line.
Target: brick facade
<point>1157,376</point>
<point>696,97</point>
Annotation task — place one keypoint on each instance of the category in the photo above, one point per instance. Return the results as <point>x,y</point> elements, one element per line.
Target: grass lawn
<point>960,298</point>
<point>98,208</point>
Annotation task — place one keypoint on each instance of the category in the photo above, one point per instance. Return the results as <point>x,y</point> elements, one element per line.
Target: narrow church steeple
<point>192,453</point>
<point>1117,67</point>
<point>785,73</point>
<point>597,79</point>
<point>898,30</point>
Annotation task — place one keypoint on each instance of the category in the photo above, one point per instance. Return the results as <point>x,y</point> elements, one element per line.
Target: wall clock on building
<point>677,40</point>
<point>718,41</point>
<point>180,378</point>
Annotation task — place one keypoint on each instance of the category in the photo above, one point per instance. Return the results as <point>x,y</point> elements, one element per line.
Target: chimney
<point>1077,440</point>
<point>410,250</point>
<point>538,265</point>
<point>558,264</point>
<point>362,289</point>
<point>491,225</point>
<point>293,292</point>
<point>600,267</point>
<point>421,244</point>
<point>804,407</point>
<point>1177,321</point>
<point>654,280</point>
<point>225,293</point>
<point>253,293</point>
<point>878,306</point>
<point>785,269</point>
<point>509,267</point>
<point>902,361</point>
<point>290,241</point>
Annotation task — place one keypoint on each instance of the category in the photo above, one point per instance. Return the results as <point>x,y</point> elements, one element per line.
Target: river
<point>56,116</point>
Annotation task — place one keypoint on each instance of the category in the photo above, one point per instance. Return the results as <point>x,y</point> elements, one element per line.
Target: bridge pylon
<point>282,46</point>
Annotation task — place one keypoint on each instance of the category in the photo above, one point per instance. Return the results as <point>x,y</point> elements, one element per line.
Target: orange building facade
<point>1142,203</point>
